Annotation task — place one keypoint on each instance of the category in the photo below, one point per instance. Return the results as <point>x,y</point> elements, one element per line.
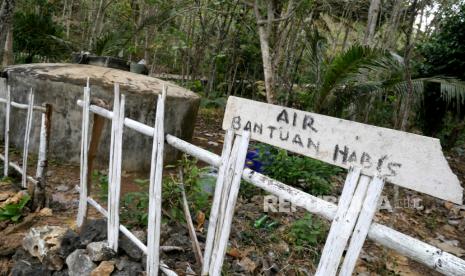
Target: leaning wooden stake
<point>84,145</point>
<point>190,225</point>
<point>6,163</point>
<point>155,190</point>
<point>27,133</point>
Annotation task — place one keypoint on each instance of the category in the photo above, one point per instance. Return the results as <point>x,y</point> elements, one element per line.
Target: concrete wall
<point>56,85</point>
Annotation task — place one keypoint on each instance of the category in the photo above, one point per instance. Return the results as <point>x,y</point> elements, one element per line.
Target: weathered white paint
<point>363,224</point>
<point>347,213</point>
<point>236,164</point>
<point>82,209</point>
<point>213,220</point>
<point>23,106</point>
<point>405,159</point>
<point>27,135</point>
<point>43,148</point>
<point>7,131</point>
<point>155,189</point>
<point>410,247</point>
<point>115,169</point>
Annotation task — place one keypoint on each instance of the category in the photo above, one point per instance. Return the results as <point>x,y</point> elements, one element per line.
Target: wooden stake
<point>190,225</point>
<point>156,175</point>
<point>115,162</point>
<point>363,224</point>
<point>27,134</point>
<point>238,166</point>
<point>7,131</point>
<point>39,197</point>
<point>82,209</point>
<point>227,146</point>
<point>342,226</point>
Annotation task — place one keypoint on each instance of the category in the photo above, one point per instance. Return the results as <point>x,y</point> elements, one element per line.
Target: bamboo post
<point>39,197</point>
<point>6,162</point>
<point>155,190</point>
<point>82,210</point>
<point>27,133</point>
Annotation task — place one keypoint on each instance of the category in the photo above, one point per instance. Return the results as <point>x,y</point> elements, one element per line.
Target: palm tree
<point>363,72</point>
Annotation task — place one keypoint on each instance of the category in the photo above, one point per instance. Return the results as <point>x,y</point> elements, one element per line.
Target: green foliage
<point>349,68</point>
<point>307,231</point>
<point>196,184</point>
<point>219,102</point>
<point>37,34</point>
<point>13,211</point>
<point>134,211</point>
<point>311,175</point>
<point>106,44</point>
<point>444,51</point>
<point>101,180</point>
<point>265,222</point>
<point>135,204</point>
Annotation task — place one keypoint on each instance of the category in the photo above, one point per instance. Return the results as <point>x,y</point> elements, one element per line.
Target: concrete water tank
<point>62,85</point>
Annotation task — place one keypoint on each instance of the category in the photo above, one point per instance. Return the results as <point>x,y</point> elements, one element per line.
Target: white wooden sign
<point>405,159</point>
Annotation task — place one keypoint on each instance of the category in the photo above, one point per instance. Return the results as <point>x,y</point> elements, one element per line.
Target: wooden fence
<point>39,181</point>
<point>231,170</point>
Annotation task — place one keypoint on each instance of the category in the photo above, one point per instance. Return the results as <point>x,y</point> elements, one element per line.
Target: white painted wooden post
<point>213,220</point>
<point>116,161</point>
<point>342,227</point>
<point>42,157</point>
<point>27,133</point>
<point>111,166</point>
<point>155,190</point>
<point>349,214</point>
<point>84,151</point>
<point>370,205</point>
<point>6,162</point>
<point>235,168</point>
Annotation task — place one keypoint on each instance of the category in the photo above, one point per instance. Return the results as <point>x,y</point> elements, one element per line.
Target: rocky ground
<point>260,243</point>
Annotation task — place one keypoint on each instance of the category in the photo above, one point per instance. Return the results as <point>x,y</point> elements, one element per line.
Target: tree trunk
<point>8,58</point>
<point>346,36</point>
<point>68,18</point>
<point>390,38</point>
<point>94,26</point>
<point>264,35</point>
<point>6,21</point>
<point>408,73</point>
<point>371,22</point>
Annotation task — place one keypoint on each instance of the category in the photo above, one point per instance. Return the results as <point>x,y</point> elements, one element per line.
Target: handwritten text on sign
<point>409,160</point>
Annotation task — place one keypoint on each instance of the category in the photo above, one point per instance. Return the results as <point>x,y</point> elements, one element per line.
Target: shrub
<point>311,175</point>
